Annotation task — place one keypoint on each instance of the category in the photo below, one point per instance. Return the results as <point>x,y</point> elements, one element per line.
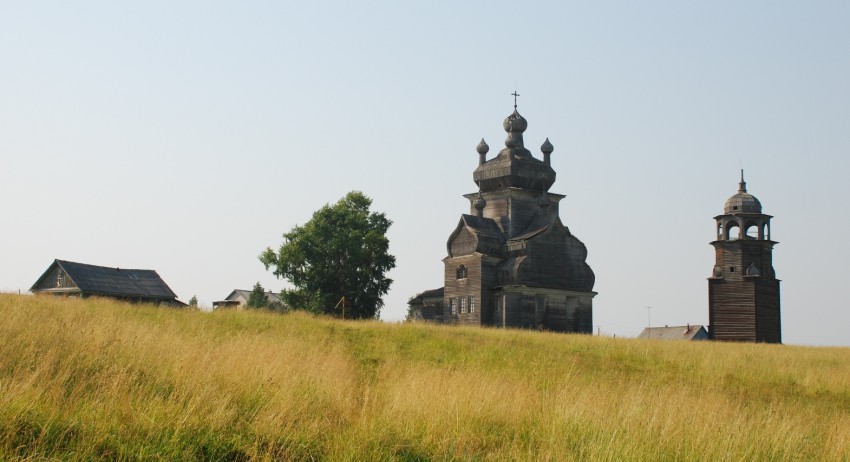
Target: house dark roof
<point>432,293</point>
<point>101,280</point>
<point>241,294</point>
<point>689,332</point>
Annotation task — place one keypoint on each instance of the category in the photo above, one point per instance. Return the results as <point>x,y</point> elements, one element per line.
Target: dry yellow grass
<point>95,379</point>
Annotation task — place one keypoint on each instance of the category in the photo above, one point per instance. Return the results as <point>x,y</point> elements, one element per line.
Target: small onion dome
<point>547,147</point>
<point>482,147</point>
<point>479,203</point>
<point>515,123</point>
<point>742,202</point>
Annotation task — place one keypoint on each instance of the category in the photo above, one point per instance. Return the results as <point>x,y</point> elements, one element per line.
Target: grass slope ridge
<point>100,380</point>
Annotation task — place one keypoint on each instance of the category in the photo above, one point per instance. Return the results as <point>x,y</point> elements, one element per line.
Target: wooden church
<point>511,261</point>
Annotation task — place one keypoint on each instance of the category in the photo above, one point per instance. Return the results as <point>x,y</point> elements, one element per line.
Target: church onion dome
<point>514,166</point>
<point>479,203</point>
<point>482,147</point>
<point>546,147</point>
<point>742,202</point>
<point>515,123</point>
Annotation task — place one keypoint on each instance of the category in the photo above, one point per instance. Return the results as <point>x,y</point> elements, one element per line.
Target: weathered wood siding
<point>734,257</point>
<point>457,289</point>
<point>732,313</point>
<point>768,322</point>
<point>744,307</point>
<point>514,209</point>
<point>56,279</point>
<point>463,243</point>
<point>546,309</point>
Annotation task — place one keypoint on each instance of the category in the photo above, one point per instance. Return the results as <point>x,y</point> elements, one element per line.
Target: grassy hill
<point>95,379</point>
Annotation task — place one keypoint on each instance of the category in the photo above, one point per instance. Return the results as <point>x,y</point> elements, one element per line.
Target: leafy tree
<point>193,301</point>
<point>258,297</point>
<point>343,251</point>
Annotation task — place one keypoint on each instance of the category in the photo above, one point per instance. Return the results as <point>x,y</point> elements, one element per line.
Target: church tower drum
<point>743,292</point>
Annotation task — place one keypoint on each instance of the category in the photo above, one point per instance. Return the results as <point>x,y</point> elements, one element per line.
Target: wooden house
<point>511,261</point>
<point>743,292</point>
<point>427,305</point>
<point>67,278</point>
<point>688,332</point>
<point>239,299</point>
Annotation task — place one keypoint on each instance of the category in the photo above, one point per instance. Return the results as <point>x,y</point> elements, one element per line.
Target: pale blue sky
<point>188,136</point>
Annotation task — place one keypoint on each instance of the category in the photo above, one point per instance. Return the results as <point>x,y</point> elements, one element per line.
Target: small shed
<point>239,299</point>
<point>67,278</point>
<point>687,332</point>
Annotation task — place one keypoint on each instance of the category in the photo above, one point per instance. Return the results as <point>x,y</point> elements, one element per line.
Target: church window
<point>461,272</point>
<point>471,304</point>
<point>731,269</point>
<point>462,303</point>
<point>452,306</point>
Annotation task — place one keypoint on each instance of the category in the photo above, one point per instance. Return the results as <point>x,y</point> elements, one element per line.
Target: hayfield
<point>101,380</point>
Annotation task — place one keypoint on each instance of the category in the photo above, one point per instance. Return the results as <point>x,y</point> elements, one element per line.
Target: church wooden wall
<point>498,209</point>
<point>768,320</point>
<point>741,307</point>
<point>515,209</point>
<point>463,244</point>
<point>546,310</point>
<point>489,279</point>
<point>732,315</point>
<point>739,254</point>
<point>462,288</point>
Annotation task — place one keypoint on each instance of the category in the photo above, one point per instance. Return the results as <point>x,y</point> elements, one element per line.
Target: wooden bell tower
<point>743,292</point>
